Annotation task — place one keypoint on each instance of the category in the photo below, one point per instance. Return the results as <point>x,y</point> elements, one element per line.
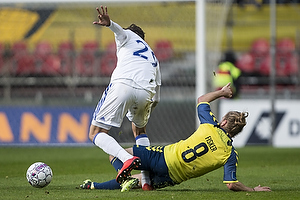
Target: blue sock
<point>108,185</point>
<point>112,184</point>
<point>116,163</point>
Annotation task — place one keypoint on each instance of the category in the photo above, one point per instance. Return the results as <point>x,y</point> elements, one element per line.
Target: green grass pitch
<point>278,168</point>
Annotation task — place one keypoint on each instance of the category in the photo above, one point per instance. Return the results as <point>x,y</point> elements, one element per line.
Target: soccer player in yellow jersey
<point>208,148</point>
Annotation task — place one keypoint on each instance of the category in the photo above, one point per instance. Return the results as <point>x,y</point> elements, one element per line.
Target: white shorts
<point>119,100</point>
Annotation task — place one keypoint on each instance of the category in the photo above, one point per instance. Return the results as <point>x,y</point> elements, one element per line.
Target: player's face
<point>223,122</point>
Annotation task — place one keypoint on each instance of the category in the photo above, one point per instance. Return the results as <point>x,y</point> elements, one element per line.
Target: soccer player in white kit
<point>134,90</point>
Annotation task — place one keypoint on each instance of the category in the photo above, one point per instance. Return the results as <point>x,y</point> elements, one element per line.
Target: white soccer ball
<point>39,174</point>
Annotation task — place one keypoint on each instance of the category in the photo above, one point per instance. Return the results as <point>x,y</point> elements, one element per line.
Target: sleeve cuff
<point>111,22</point>
<point>202,103</point>
<point>230,181</point>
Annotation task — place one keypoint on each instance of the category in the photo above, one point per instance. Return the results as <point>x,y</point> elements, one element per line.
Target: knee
<point>94,130</point>
<point>91,136</point>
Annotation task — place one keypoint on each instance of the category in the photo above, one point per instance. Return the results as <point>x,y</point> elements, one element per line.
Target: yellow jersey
<point>207,149</point>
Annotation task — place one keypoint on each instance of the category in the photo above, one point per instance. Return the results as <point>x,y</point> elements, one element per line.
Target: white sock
<point>143,140</point>
<point>110,146</point>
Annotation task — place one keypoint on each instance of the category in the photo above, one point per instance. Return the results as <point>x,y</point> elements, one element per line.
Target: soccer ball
<point>39,174</point>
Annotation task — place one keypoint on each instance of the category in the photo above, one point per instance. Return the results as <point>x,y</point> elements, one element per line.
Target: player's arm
<point>238,186</point>
<point>211,96</point>
<point>104,20</point>
<point>230,176</point>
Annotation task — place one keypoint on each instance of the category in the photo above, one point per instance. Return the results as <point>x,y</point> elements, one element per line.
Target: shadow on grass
<point>190,190</point>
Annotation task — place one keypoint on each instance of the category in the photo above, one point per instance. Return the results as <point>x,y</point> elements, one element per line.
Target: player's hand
<point>262,188</point>
<point>227,91</point>
<point>103,17</point>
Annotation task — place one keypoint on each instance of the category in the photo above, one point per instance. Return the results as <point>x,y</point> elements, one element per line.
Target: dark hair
<point>235,122</point>
<point>136,29</point>
<point>229,56</point>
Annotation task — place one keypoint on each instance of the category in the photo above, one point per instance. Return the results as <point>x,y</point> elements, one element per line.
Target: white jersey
<point>137,65</point>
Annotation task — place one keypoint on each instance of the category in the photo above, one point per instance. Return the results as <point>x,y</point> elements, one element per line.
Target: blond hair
<point>235,122</point>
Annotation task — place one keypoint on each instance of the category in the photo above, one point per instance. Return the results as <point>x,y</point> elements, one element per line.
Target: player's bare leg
<point>94,130</point>
<point>100,137</point>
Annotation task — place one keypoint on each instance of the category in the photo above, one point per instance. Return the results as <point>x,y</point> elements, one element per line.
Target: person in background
<point>134,91</point>
<point>207,149</point>
<point>228,72</point>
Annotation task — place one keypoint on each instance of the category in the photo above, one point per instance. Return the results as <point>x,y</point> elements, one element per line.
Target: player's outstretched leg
<point>128,166</point>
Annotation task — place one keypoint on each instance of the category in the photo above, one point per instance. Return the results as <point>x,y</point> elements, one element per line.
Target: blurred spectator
<point>228,72</point>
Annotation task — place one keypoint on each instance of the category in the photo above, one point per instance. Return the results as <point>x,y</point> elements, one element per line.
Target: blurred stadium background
<point>54,60</point>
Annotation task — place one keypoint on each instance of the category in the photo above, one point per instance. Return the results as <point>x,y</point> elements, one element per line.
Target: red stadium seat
<point>246,64</point>
<point>260,47</point>
<point>24,65</point>
<point>66,55</point>
<point>22,60</point>
<point>163,50</point>
<point>87,63</point>
<point>65,47</point>
<point>90,46</point>
<point>259,50</point>
<point>111,48</point>
<point>43,49</point>
<point>19,48</point>
<point>47,63</point>
<point>285,46</point>
<point>286,60</point>
<point>108,64</point>
<point>264,68</point>
<point>108,60</point>
<point>2,50</point>
<point>286,65</point>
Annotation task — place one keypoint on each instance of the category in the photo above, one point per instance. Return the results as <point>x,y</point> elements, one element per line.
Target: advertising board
<point>44,125</point>
<point>258,129</point>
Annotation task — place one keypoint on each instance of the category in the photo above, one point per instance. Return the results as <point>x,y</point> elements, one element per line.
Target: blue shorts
<point>153,160</point>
